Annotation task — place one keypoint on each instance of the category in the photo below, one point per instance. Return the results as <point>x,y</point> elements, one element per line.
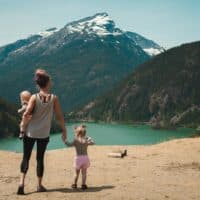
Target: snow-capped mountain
<point>100,24</point>
<point>86,57</point>
<point>23,44</point>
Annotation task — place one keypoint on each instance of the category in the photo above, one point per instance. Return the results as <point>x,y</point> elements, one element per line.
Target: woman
<point>41,106</point>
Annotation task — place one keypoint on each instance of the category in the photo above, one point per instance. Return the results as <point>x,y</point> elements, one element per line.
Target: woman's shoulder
<point>54,96</point>
<point>33,97</point>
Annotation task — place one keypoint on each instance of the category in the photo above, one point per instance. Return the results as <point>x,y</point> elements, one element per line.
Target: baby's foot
<point>21,136</point>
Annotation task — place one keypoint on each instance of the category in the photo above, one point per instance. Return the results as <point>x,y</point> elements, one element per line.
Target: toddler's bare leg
<point>76,175</point>
<point>84,176</point>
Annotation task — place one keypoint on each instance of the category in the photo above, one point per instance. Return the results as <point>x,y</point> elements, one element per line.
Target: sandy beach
<point>169,170</point>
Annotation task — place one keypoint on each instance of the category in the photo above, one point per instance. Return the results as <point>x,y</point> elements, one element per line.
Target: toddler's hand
<point>88,138</point>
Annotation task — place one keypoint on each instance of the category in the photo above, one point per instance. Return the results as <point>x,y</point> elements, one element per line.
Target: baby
<point>81,161</point>
<point>24,97</point>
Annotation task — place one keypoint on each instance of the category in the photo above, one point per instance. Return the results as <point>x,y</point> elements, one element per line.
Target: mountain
<point>22,44</point>
<point>85,58</point>
<point>149,46</point>
<point>164,91</point>
<point>5,51</point>
<point>9,119</point>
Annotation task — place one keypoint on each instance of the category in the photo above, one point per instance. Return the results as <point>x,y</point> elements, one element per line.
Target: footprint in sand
<point>153,154</point>
<point>183,166</point>
<point>9,179</point>
<point>134,157</point>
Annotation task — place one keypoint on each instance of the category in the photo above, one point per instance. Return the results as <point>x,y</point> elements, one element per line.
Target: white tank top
<point>40,124</point>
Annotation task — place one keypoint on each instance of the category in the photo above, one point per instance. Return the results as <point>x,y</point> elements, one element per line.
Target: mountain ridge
<point>103,16</point>
<point>163,91</point>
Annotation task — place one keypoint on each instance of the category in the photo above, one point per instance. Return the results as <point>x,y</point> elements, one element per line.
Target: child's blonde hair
<point>25,96</point>
<point>80,130</point>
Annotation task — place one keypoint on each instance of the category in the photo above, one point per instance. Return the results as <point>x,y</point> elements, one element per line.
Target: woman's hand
<point>64,136</point>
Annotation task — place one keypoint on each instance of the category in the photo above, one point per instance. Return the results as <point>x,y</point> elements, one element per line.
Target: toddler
<point>81,161</point>
<point>24,97</point>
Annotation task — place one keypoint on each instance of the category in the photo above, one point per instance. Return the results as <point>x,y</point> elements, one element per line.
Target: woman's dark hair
<point>42,79</point>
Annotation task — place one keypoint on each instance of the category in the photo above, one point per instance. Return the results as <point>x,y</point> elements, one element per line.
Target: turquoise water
<point>108,134</point>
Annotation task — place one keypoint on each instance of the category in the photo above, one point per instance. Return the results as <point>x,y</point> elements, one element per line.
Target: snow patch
<point>153,51</point>
<point>47,33</point>
<point>98,20</point>
<point>97,25</point>
<point>72,29</point>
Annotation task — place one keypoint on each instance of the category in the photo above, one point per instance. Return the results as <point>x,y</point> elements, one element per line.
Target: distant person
<point>81,161</point>
<point>24,98</point>
<point>41,107</point>
<point>118,154</point>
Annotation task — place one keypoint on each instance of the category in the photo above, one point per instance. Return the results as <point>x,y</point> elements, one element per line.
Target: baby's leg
<point>76,175</point>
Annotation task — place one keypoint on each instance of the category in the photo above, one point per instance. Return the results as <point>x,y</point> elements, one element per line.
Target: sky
<point>168,22</point>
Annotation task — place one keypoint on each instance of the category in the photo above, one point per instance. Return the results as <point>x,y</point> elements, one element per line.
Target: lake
<point>109,134</point>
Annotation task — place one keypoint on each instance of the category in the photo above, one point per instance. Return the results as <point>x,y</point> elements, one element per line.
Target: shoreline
<point>132,123</point>
<point>121,123</point>
<point>109,145</point>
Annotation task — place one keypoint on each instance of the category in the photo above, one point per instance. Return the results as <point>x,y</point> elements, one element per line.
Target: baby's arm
<point>22,109</point>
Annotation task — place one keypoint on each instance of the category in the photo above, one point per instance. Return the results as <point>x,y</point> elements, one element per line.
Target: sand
<point>169,170</point>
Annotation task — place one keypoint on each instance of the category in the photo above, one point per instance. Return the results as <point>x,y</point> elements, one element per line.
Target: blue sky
<point>168,22</point>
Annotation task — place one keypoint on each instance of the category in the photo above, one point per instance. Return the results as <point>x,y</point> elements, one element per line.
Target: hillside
<point>86,58</point>
<point>9,119</point>
<point>164,91</point>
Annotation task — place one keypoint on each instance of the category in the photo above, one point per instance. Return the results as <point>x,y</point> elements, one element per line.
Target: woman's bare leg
<point>22,179</point>
<point>39,181</point>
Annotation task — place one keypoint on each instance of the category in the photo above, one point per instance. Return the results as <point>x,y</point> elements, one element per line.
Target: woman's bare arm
<point>27,114</point>
<point>60,118</point>
<point>30,106</point>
